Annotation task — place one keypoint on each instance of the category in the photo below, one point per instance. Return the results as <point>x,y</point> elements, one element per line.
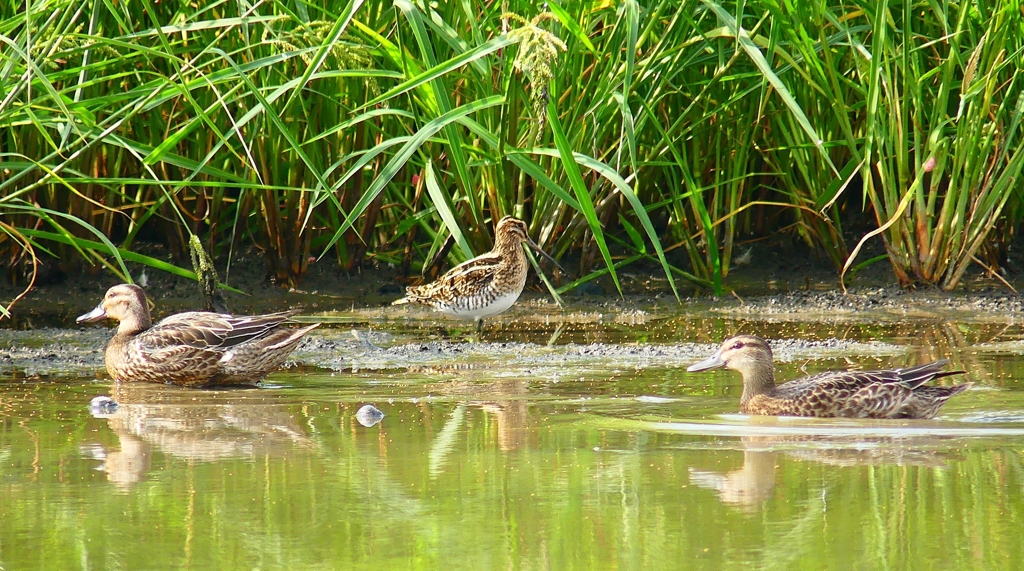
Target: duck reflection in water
<point>202,427</point>
<point>749,486</point>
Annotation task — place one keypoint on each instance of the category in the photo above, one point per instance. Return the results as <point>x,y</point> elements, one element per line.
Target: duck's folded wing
<point>840,381</point>
<point>177,357</point>
<point>846,393</point>
<point>210,331</point>
<point>877,394</point>
<point>909,377</point>
<point>876,400</point>
<point>873,394</point>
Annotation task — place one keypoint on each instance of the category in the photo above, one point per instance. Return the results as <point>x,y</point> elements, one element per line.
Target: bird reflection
<point>748,487</point>
<point>510,413</point>
<point>193,425</point>
<point>502,399</point>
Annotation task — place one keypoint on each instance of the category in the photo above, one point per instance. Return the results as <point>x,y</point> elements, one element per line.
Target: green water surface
<point>624,466</point>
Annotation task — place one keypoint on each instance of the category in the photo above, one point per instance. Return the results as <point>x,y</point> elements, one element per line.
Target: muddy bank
<point>332,352</point>
<point>982,303</point>
<point>48,353</point>
<point>784,283</point>
<point>363,332</point>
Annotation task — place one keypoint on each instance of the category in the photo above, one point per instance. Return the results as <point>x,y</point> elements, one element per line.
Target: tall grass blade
<point>444,208</point>
<point>572,171</point>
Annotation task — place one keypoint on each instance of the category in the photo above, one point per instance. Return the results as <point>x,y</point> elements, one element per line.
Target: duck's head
<point>512,229</point>
<point>125,303</point>
<point>743,353</point>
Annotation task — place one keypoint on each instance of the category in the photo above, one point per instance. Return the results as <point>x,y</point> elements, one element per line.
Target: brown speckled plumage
<point>896,393</point>
<point>485,285</point>
<point>193,349</point>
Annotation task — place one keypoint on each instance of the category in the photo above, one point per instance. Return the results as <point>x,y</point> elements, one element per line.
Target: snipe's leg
<point>479,326</point>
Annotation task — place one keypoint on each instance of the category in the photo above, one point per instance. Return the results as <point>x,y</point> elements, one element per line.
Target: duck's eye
<point>737,345</point>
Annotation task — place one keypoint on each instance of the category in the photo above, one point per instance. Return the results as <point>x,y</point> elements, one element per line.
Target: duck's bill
<point>94,315</point>
<point>533,246</point>
<point>712,362</point>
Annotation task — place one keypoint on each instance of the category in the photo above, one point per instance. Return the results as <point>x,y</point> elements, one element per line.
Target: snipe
<point>486,285</point>
<point>192,349</point>
<point>895,393</point>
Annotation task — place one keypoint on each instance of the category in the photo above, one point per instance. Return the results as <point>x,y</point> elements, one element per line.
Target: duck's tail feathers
<point>932,398</point>
<point>293,338</point>
<point>913,377</point>
<point>957,389</point>
<point>925,401</point>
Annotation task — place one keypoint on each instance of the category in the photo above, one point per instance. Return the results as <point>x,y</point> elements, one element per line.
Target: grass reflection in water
<point>625,464</point>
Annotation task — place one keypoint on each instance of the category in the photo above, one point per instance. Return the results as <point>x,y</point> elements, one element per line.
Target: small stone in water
<point>368,415</point>
<point>102,406</point>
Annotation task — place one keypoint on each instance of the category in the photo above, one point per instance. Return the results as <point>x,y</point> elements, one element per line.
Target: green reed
<point>942,147</point>
<point>666,132</point>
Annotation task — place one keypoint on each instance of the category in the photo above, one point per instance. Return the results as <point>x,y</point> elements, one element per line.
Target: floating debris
<point>654,399</point>
<point>369,415</point>
<point>102,406</point>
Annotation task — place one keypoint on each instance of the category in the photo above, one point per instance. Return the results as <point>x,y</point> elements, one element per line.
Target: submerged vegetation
<point>623,131</point>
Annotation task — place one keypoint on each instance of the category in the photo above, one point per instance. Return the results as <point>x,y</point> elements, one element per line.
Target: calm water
<point>626,464</point>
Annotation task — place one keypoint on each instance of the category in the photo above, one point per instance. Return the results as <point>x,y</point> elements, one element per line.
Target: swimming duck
<point>193,349</point>
<point>896,393</point>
